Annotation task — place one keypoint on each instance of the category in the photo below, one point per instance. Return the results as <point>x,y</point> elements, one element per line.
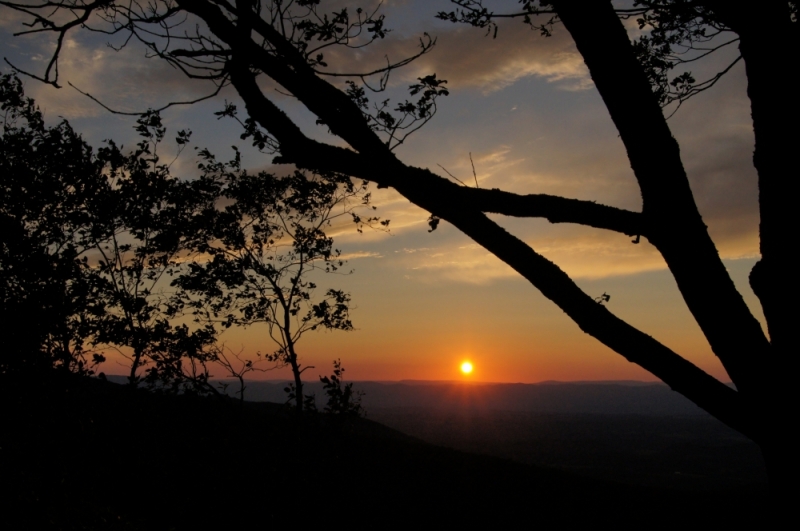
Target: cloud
<point>125,80</point>
<point>482,166</point>
<point>406,250</point>
<point>359,254</point>
<point>581,252</point>
<point>12,21</point>
<point>467,58</point>
<point>715,132</point>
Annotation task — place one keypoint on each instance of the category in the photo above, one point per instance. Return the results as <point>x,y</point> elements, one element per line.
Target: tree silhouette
<point>140,222</point>
<point>342,400</point>
<point>264,248</point>
<point>235,365</point>
<point>49,177</point>
<point>88,238</point>
<point>242,41</point>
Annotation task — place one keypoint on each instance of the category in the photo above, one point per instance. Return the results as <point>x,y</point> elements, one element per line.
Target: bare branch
<point>474,173</point>
<point>451,175</point>
<point>140,113</point>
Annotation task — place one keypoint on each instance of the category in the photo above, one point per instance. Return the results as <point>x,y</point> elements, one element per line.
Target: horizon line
<point>432,382</point>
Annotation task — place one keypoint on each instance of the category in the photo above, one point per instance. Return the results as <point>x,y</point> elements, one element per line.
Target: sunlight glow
<point>466,367</point>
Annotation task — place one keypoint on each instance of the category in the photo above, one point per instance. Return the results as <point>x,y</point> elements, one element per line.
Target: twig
<point>473,170</point>
<point>450,174</point>
<point>167,106</point>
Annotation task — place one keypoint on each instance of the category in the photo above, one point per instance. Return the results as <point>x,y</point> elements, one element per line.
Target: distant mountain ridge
<point>626,397</point>
<point>611,398</point>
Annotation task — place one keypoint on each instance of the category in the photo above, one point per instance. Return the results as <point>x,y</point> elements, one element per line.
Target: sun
<point>466,367</point>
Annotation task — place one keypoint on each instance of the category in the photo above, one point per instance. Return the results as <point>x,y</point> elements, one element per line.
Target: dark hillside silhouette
<point>201,463</point>
<point>687,453</point>
<point>633,432</point>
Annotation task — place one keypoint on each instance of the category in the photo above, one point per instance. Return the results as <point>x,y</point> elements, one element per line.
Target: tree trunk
<point>673,221</point>
<point>298,382</point>
<point>137,358</point>
<point>769,50</point>
<point>781,461</point>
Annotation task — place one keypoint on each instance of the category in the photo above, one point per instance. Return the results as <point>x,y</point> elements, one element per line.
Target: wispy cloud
<point>582,253</point>
<point>467,58</point>
<point>360,254</point>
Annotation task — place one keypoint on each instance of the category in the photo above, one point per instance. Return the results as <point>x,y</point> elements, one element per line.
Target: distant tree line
<point>108,250</point>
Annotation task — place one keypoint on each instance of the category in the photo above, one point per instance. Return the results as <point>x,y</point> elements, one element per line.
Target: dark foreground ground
<point>684,453</point>
<point>86,454</point>
<point>636,433</point>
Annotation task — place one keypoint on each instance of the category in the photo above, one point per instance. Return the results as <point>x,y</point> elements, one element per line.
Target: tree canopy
<point>111,251</point>
<point>91,237</point>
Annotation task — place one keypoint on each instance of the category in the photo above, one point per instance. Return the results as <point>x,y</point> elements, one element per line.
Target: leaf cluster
<point>678,33</point>
<point>474,13</point>
<point>342,399</point>
<point>407,117</point>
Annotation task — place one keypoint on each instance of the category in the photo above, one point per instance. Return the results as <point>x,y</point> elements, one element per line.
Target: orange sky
<point>527,111</point>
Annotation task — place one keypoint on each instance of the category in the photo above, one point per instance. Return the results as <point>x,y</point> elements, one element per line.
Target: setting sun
<point>466,367</point>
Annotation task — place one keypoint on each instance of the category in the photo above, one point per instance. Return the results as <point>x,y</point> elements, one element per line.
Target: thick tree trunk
<point>673,222</point>
<point>769,50</point>
<point>781,461</point>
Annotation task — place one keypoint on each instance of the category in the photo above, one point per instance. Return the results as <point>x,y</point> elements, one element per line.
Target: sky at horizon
<point>524,109</point>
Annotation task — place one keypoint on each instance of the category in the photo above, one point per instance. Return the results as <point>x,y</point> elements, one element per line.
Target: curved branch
<point>425,48</point>
<point>199,53</point>
<point>167,106</point>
